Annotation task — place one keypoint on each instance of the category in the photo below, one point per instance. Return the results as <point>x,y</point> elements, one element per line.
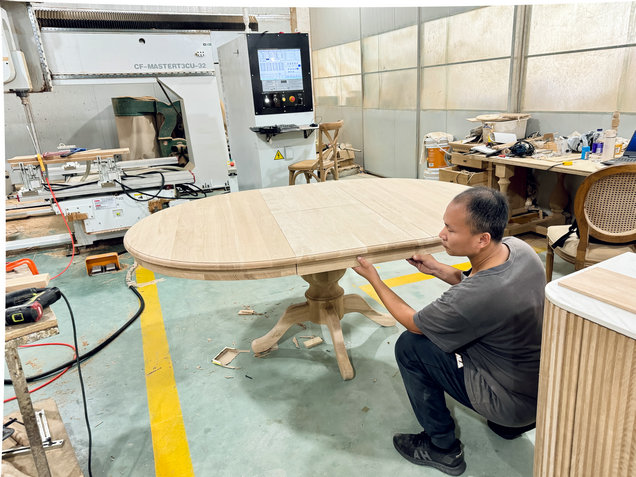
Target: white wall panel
<point>380,20</point>
<point>587,81</point>
<point>371,90</point>
<point>390,143</point>
<point>326,62</point>
<point>333,26</point>
<point>398,49</point>
<point>398,89</point>
<point>350,62</point>
<point>370,52</point>
<point>482,85</point>
<point>578,26</point>
<point>434,38</point>
<point>434,87</point>
<point>627,92</point>
<point>351,91</point>
<point>480,34</point>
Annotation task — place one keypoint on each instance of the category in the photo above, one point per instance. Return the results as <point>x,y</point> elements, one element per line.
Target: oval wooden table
<point>313,230</point>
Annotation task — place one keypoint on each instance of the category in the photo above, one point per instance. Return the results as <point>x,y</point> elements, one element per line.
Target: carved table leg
<point>559,198</point>
<point>355,303</point>
<point>296,313</point>
<point>332,320</point>
<point>326,305</point>
<point>504,173</point>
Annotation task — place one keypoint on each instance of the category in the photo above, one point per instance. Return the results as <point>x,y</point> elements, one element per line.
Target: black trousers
<point>428,372</point>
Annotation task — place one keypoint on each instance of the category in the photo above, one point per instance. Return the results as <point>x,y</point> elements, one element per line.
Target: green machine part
<point>171,128</point>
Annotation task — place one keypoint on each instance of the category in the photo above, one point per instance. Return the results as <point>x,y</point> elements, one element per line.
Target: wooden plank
<point>604,285</point>
<point>27,281</point>
<point>77,157</point>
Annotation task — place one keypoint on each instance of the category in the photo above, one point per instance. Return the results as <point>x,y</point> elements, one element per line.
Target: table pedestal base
<point>326,305</point>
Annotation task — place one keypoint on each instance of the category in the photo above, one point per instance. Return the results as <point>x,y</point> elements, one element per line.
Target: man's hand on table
<point>424,263</point>
<point>366,269</point>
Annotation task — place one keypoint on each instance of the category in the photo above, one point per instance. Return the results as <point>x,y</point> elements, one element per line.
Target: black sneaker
<point>509,432</point>
<point>418,449</point>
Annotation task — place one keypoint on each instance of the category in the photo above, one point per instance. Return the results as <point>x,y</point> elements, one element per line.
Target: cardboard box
<point>458,175</point>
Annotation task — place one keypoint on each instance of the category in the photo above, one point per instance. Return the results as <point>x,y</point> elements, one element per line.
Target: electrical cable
<point>63,217</point>
<point>84,357</point>
<point>186,190</point>
<point>81,380</point>
<point>50,380</point>
<point>554,165</point>
<point>59,187</point>
<point>125,188</point>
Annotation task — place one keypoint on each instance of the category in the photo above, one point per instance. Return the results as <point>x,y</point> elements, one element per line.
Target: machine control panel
<point>281,76</point>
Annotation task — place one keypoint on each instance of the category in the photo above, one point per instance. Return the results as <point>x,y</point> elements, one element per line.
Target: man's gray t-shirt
<point>493,320</point>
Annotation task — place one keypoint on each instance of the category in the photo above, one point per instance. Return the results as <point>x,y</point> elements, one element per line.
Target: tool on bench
<point>24,306</point>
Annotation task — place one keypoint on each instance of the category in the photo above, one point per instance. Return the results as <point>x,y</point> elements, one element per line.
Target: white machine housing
<point>261,158</point>
<point>181,60</point>
<point>15,73</point>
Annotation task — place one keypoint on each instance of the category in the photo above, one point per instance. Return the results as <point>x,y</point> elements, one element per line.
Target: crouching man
<point>479,342</point>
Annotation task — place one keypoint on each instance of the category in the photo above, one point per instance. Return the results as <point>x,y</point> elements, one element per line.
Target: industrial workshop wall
<point>395,74</point>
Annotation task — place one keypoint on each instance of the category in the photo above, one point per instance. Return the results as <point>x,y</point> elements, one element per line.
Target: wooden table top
<point>293,230</point>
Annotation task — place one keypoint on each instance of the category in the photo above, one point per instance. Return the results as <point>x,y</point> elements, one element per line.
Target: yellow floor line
<point>405,279</point>
<point>169,441</point>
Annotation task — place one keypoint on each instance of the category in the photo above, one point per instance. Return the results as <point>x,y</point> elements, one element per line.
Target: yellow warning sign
<point>278,155</point>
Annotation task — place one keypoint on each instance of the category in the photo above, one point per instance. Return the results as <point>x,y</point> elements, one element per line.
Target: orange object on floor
<point>23,261</point>
<point>99,263</point>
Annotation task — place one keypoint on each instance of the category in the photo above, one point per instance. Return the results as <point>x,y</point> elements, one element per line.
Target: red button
<point>292,99</point>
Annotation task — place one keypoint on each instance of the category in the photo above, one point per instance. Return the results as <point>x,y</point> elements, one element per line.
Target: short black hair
<point>487,211</point>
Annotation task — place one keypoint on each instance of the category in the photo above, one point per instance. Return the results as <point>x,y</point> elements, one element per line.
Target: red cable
<point>54,378</point>
<point>67,227</point>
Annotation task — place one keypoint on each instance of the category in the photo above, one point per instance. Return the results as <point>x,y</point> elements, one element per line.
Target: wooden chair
<point>604,208</point>
<point>326,158</point>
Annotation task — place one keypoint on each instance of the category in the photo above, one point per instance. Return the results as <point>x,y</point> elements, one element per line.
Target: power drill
<point>24,306</point>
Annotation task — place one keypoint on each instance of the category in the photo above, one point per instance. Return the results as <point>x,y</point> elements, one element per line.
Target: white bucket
<point>516,126</point>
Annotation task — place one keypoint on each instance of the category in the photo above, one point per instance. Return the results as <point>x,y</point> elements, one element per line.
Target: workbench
<point>505,168</point>
<point>14,337</point>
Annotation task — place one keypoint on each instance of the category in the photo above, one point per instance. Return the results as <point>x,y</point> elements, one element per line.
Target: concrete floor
<point>286,414</point>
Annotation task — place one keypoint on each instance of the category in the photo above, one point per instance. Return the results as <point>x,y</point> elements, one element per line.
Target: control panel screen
<point>280,70</point>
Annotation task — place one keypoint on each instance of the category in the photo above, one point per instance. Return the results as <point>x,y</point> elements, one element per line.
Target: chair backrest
<point>605,206</point>
<point>328,145</point>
